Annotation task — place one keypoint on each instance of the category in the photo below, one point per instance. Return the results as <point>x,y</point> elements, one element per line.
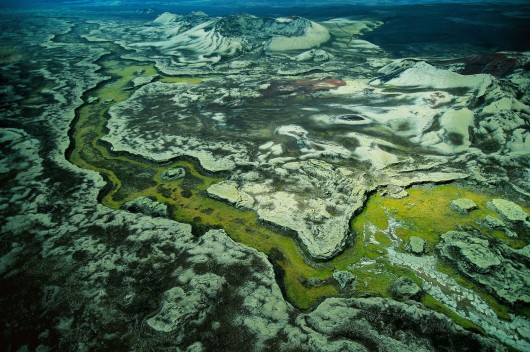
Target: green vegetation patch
<point>425,213</point>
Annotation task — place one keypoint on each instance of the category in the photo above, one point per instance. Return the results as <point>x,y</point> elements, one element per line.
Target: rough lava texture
<point>180,290</point>
<point>342,319</point>
<point>76,275</point>
<point>500,269</point>
<point>290,172</point>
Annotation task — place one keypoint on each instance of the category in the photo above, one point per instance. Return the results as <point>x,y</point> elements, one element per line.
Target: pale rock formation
<point>508,210</point>
<point>416,245</point>
<point>493,265</point>
<point>463,205</point>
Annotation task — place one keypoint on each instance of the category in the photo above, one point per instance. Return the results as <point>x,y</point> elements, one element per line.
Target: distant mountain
<point>197,38</point>
<point>240,3</point>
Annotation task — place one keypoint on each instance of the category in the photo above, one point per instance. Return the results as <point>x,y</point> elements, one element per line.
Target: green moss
<point>425,213</point>
<point>432,303</point>
<point>376,215</point>
<point>383,239</point>
<point>237,223</point>
<point>89,154</point>
<point>189,80</point>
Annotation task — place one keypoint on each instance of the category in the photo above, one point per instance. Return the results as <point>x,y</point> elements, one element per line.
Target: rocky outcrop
<point>500,269</point>
<point>508,210</point>
<point>491,223</point>
<point>404,288</point>
<point>130,131</point>
<point>395,192</point>
<point>416,245</point>
<point>345,279</point>
<point>363,325</point>
<point>173,174</point>
<point>317,201</point>
<point>463,205</point>
<point>476,256</point>
<point>228,191</point>
<point>181,307</point>
<point>147,206</point>
<point>137,82</point>
<point>316,55</point>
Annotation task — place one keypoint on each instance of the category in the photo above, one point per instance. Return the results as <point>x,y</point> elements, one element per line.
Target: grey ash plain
<point>306,119</point>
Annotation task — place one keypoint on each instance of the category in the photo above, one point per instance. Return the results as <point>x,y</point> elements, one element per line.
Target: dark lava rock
<point>369,321</point>
<point>498,65</point>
